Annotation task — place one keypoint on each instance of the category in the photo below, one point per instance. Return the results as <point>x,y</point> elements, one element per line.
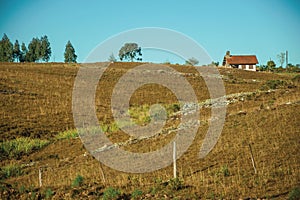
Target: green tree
<point>281,58</point>
<point>130,51</point>
<point>70,56</point>
<point>34,50</point>
<point>191,61</point>
<point>16,51</point>
<point>45,50</point>
<point>271,65</point>
<point>6,49</point>
<point>23,52</point>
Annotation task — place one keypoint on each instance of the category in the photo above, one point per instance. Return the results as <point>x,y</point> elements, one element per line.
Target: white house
<point>246,62</point>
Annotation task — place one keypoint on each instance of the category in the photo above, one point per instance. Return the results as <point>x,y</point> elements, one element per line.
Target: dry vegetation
<point>35,104</point>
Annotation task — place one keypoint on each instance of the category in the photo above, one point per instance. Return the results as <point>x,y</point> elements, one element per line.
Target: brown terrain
<point>262,117</point>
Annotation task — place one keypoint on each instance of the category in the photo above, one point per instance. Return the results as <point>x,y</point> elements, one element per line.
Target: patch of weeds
<point>68,134</point>
<point>111,193</point>
<point>140,114</point>
<point>114,127</point>
<point>296,79</point>
<point>271,102</point>
<point>172,108</point>
<point>48,193</point>
<point>175,184</point>
<point>20,146</point>
<point>211,196</point>
<point>22,189</point>
<point>294,194</point>
<point>104,128</point>
<point>109,128</point>
<point>136,194</point>
<point>78,181</point>
<point>154,190</point>
<point>274,84</point>
<point>10,170</point>
<point>224,171</point>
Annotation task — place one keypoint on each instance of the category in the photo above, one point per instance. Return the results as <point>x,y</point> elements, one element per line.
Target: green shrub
<point>113,127</point>
<point>10,171</point>
<point>111,193</point>
<point>136,193</point>
<point>274,84</point>
<point>68,134</point>
<point>48,193</point>
<point>175,184</point>
<point>78,181</point>
<point>22,145</point>
<point>294,194</point>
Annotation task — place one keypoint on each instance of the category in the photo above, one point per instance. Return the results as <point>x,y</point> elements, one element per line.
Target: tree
<point>16,51</point>
<point>23,52</point>
<point>45,50</point>
<point>281,58</point>
<point>215,63</point>
<point>271,65</point>
<point>191,61</point>
<point>293,68</point>
<point>34,50</point>
<point>112,58</point>
<point>130,51</point>
<point>70,56</point>
<point>6,49</point>
<point>263,68</point>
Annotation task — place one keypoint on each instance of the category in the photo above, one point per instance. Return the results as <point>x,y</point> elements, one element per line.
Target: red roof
<point>242,60</point>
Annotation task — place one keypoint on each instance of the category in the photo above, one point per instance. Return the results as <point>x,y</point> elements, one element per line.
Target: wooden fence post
<point>252,159</point>
<point>174,160</point>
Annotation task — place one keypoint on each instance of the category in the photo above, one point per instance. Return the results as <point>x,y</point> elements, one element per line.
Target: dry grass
<point>267,120</point>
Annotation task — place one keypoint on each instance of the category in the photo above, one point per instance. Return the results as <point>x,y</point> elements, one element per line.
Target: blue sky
<point>261,27</point>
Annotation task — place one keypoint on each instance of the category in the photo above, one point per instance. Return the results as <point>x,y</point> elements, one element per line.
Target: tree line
<point>38,49</point>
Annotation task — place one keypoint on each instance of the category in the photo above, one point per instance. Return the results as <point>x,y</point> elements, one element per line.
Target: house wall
<point>248,67</point>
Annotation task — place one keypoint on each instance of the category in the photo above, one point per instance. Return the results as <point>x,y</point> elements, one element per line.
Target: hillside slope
<point>262,113</point>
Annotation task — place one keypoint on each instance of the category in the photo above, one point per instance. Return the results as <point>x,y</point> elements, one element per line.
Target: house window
<point>250,66</point>
<point>243,66</point>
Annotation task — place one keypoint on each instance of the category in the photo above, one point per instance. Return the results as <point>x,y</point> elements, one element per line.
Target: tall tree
<point>6,49</point>
<point>23,52</point>
<point>34,50</point>
<point>271,65</point>
<point>130,51</point>
<point>45,49</point>
<point>16,51</point>
<point>70,56</point>
<point>281,58</point>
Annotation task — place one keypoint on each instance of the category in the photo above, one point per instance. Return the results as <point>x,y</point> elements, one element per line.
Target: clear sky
<point>261,27</point>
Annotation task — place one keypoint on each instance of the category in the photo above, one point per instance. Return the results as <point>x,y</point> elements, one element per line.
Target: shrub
<point>175,184</point>
<point>136,193</point>
<point>111,193</point>
<point>294,194</point>
<point>78,181</point>
<point>274,84</point>
<point>22,145</point>
<point>48,193</point>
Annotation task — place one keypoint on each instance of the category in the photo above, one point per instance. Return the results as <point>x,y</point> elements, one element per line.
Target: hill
<point>39,140</point>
